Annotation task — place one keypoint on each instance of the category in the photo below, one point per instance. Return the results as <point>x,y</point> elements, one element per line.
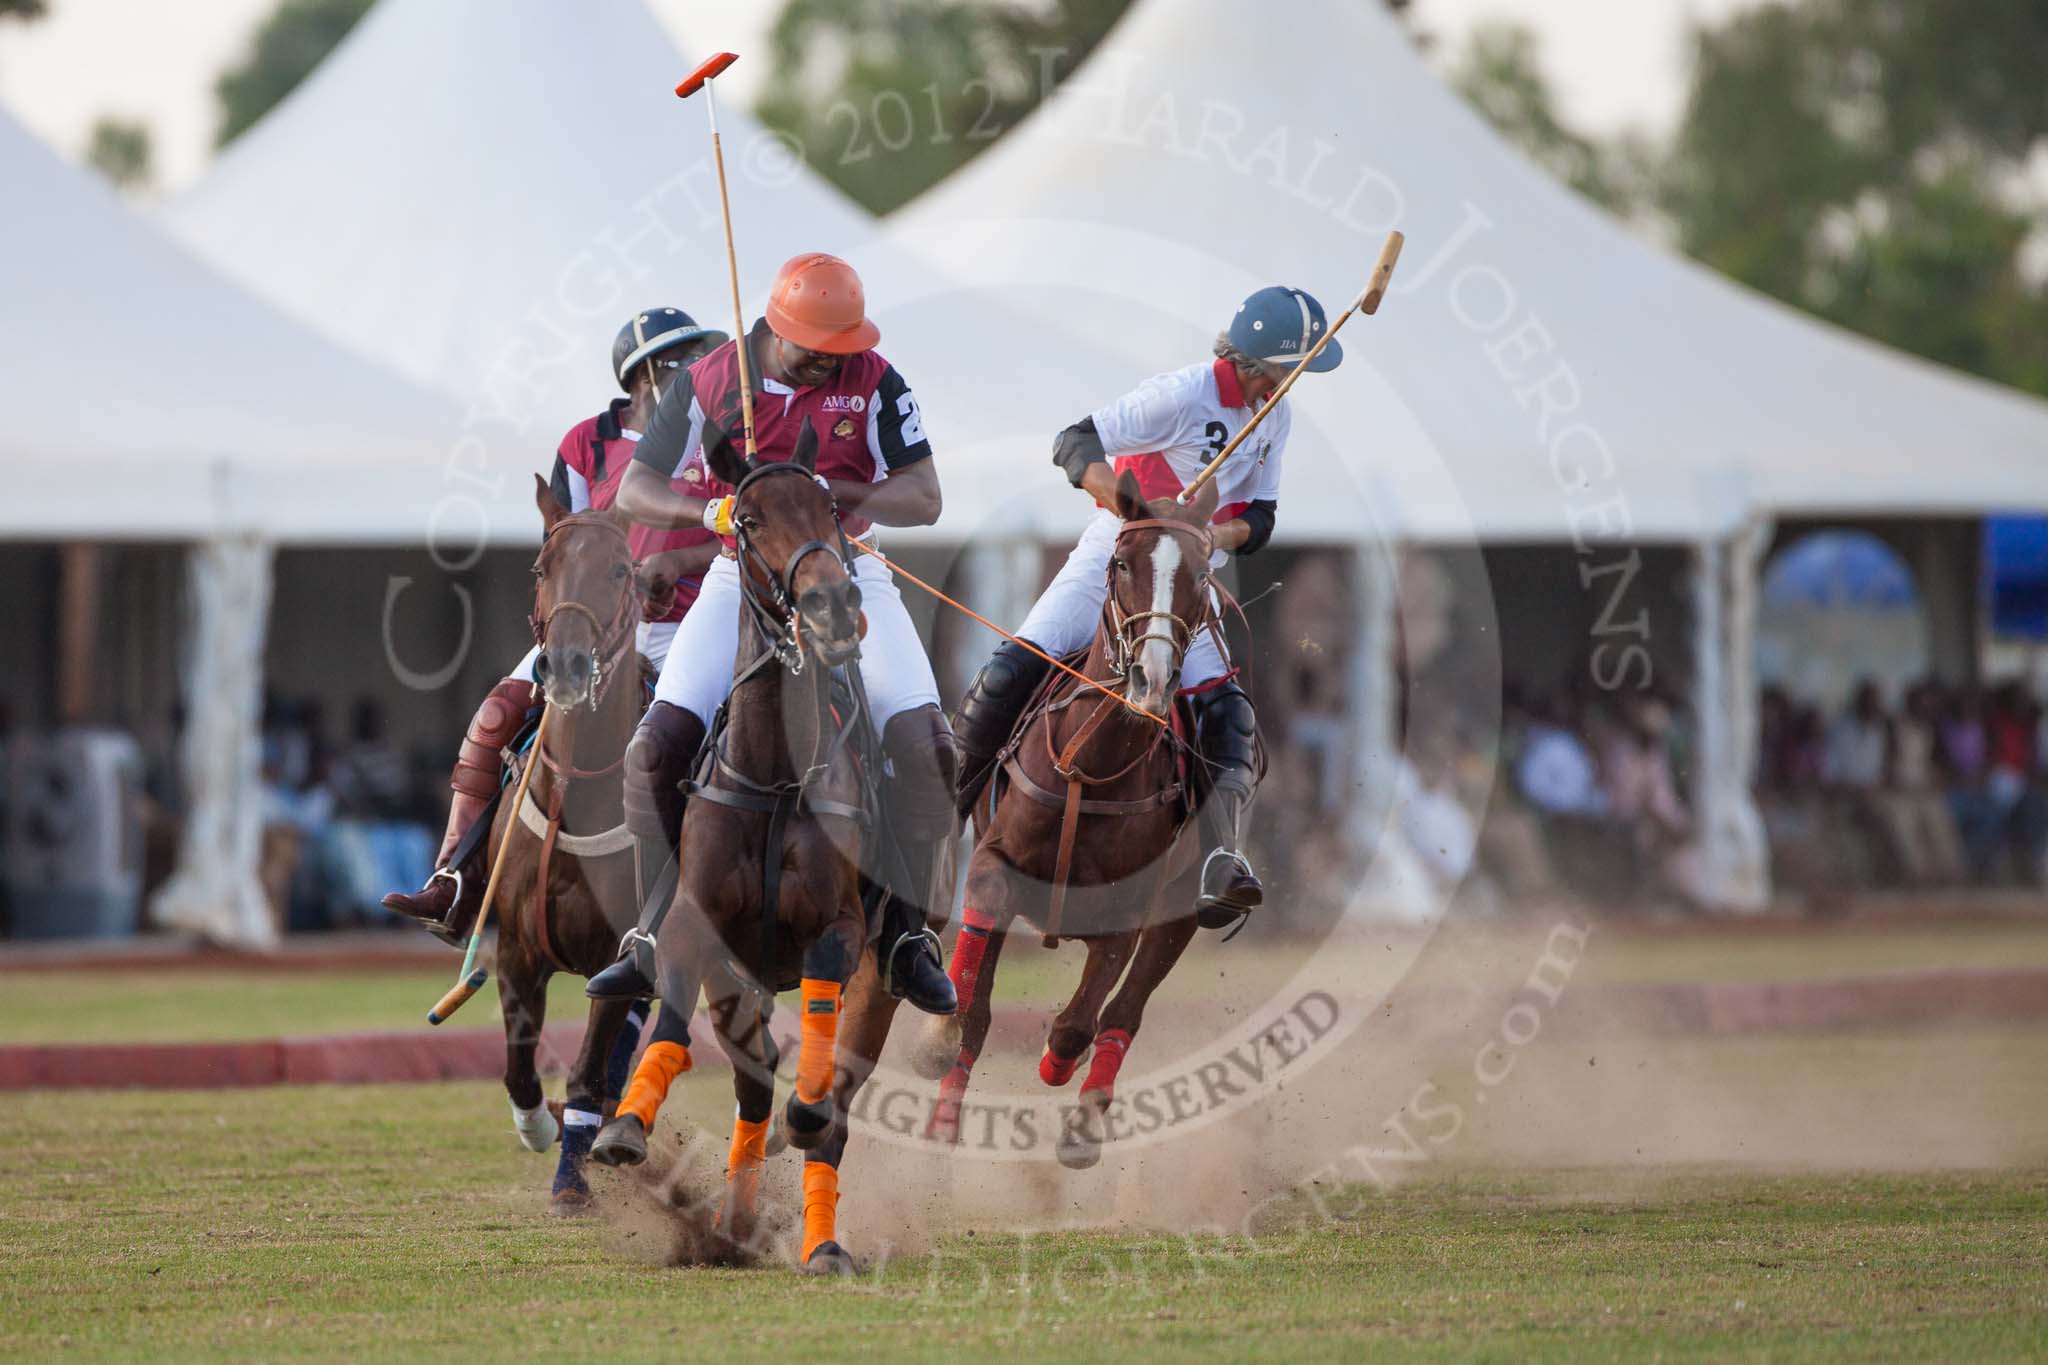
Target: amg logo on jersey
<point>844,402</point>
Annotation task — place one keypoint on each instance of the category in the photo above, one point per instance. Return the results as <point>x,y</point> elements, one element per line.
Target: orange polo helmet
<point>817,302</point>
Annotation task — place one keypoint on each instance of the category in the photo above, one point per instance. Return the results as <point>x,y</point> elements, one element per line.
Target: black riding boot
<point>660,758</point>
<point>1226,735</point>
<point>921,753</point>
<point>988,715</point>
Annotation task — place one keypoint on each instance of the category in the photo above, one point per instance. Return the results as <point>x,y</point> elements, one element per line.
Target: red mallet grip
<point>694,82</point>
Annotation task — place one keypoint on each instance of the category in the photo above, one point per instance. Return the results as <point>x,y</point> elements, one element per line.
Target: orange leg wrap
<point>658,1069</point>
<point>821,1205</point>
<point>820,1037</point>
<point>749,1145</point>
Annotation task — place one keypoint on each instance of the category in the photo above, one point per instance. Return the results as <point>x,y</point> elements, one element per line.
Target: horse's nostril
<point>540,666</point>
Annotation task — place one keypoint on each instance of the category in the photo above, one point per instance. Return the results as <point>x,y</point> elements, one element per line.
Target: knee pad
<point>921,748</point>
<point>660,756</point>
<point>480,763</point>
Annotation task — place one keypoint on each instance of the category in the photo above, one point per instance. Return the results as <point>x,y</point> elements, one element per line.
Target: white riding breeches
<point>698,672</point>
<point>1066,614</point>
<point>653,638</point>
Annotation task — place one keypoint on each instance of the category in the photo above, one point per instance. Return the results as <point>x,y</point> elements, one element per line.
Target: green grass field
<point>387,1222</point>
<point>180,1004</point>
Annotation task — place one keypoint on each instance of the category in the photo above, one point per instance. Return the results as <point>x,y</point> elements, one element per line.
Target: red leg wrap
<point>1110,1046</point>
<point>967,955</point>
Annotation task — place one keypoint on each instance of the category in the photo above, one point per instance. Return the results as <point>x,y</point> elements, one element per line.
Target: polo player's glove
<point>718,516</point>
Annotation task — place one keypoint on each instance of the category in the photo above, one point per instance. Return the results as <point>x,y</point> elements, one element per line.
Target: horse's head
<point>790,550</point>
<point>1158,591</point>
<point>584,604</point>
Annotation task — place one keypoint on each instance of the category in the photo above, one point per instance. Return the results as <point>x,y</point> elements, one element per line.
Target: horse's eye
<point>619,571</point>
<point>1122,566</point>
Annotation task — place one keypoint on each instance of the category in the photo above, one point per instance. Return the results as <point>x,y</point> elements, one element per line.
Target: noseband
<point>614,636</point>
<point>779,622</point>
<point>1131,633</point>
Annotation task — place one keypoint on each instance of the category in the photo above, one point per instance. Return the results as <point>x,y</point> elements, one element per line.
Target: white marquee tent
<point>1538,373</point>
<point>1529,337</point>
<point>151,400</point>
<point>480,191</point>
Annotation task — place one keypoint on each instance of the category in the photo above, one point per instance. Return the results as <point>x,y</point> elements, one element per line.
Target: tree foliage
<point>885,97</point>
<point>1500,73</point>
<point>1865,160</point>
<point>296,37</point>
<point>23,9</point>
<point>121,150</point>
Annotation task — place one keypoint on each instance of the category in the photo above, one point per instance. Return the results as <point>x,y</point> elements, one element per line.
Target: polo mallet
<point>1366,302</point>
<point>473,976</point>
<point>701,79</point>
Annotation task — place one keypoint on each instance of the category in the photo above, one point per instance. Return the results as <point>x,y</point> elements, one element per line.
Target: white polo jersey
<point>1167,430</point>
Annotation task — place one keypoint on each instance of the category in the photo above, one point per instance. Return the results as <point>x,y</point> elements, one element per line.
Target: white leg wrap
<point>581,1118</point>
<point>536,1127</point>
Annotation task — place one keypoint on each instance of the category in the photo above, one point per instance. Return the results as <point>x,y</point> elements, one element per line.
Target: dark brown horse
<point>569,885</point>
<point>771,890</point>
<point>1085,835</point>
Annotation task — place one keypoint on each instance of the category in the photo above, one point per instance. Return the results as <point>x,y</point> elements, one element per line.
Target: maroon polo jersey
<point>866,417</point>
<point>590,465</point>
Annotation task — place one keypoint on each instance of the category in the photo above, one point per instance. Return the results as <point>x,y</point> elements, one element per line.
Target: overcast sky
<point>1615,62</point>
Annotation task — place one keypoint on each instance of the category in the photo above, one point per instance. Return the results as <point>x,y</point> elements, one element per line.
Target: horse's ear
<point>724,462</point>
<point>1130,498</point>
<point>1202,510</point>
<point>551,509</point>
<point>806,454</point>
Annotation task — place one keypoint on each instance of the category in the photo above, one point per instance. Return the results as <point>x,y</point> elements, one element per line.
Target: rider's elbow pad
<point>1258,520</point>
<point>1076,448</point>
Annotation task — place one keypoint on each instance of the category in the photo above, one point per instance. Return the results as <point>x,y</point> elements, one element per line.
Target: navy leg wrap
<point>618,1068</point>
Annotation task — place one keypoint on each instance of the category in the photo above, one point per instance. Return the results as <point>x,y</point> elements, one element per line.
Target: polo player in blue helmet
<point>1165,432</point>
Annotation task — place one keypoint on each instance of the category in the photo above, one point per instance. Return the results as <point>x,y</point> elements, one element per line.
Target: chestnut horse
<point>569,885</point>
<point>773,841</point>
<point>1082,828</point>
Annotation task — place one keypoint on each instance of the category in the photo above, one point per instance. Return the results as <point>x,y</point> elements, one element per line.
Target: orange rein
<point>1147,524</point>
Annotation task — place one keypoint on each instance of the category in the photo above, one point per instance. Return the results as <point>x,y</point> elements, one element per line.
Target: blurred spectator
<point>1914,806</point>
<point>1642,794</point>
<point>369,778</point>
<point>1556,771</point>
<point>1966,758</point>
<point>2011,726</point>
<point>1853,772</point>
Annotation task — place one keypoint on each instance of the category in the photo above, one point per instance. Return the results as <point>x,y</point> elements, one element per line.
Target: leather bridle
<point>779,621</point>
<point>614,636</point>
<point>1131,633</point>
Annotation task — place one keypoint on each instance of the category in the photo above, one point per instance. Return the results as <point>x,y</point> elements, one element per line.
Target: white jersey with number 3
<point>1168,429</point>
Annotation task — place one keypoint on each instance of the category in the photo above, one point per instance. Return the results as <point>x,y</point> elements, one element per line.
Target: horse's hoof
<point>937,1049</point>
<point>778,1137</point>
<point>572,1204</point>
<point>622,1142</point>
<point>1056,1071</point>
<point>1079,1147</point>
<point>828,1258</point>
<point>807,1124</point>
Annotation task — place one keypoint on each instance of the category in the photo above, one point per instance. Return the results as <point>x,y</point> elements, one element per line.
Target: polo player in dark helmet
<point>650,351</point>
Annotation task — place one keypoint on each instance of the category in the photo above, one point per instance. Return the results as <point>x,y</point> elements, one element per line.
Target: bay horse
<point>1081,828</point>
<point>771,893</point>
<point>569,887</point>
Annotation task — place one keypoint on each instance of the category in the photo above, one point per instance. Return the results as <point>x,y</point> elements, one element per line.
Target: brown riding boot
<point>446,903</point>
